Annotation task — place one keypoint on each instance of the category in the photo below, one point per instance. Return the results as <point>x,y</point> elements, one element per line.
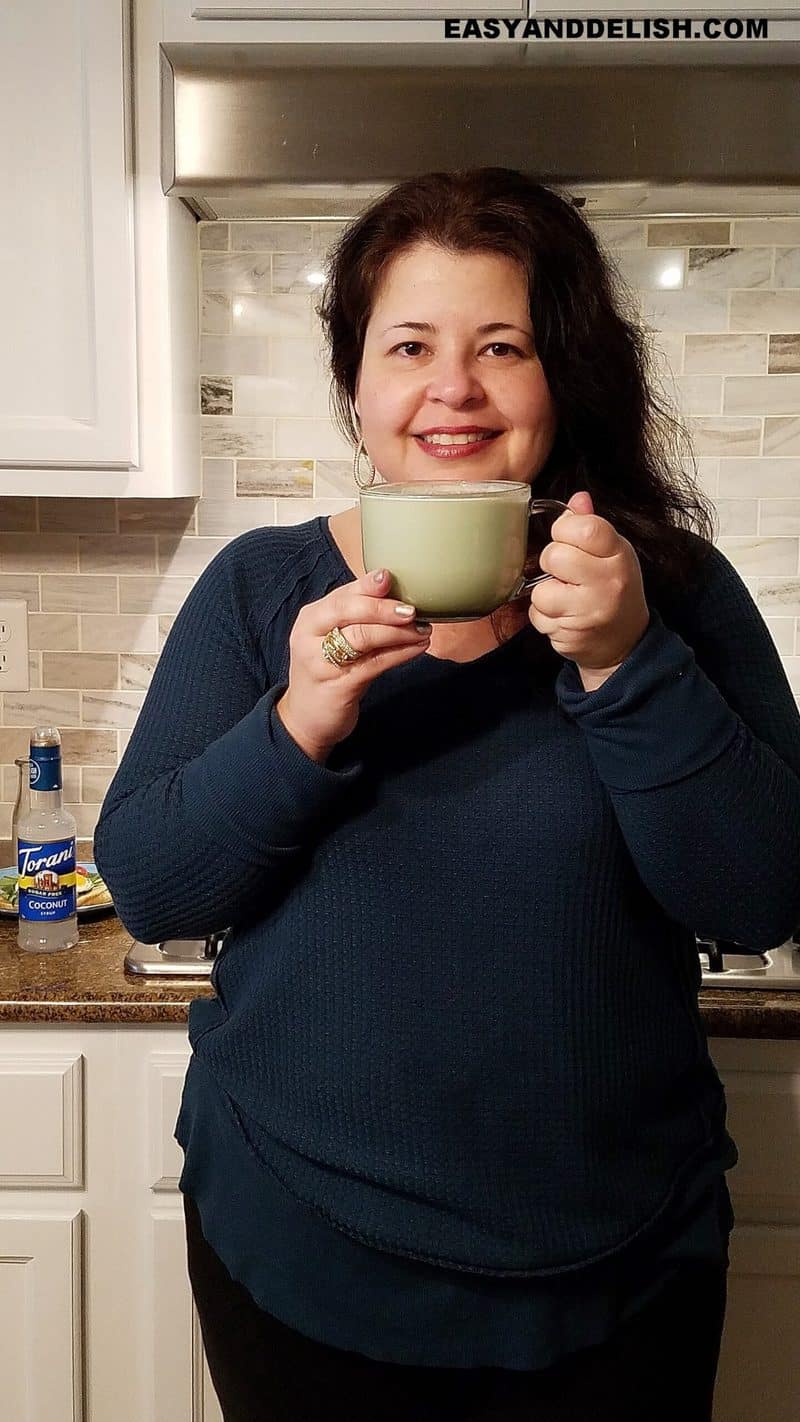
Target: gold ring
<point>336,648</point>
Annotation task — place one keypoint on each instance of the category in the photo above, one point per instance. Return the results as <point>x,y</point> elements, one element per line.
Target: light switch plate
<point>14,669</point>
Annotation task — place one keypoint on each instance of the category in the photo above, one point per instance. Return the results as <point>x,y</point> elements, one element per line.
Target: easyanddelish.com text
<point>668,27</point>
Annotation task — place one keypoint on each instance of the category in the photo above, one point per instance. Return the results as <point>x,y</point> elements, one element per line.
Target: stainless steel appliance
<point>723,964</point>
<point>175,957</point>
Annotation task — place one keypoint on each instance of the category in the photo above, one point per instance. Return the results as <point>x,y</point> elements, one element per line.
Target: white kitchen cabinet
<point>93,1282</point>
<point>348,9</point>
<point>775,8</point>
<point>98,270</point>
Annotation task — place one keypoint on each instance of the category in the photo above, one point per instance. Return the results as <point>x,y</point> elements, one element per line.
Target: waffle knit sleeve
<point>697,740</point>
<point>213,801</point>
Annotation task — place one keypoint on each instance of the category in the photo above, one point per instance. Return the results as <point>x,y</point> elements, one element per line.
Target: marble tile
<point>17,515</point>
<point>766,232</point>
<point>33,708</point>
<point>298,358</point>
<point>285,314</point>
<point>304,274</point>
<point>271,236</point>
<point>688,233</point>
<point>729,267</point>
<point>78,515</point>
<point>784,354</point>
<point>83,593</point>
<point>94,783</point>
<point>754,556</point>
<point>46,552</point>
<point>13,742</point>
<point>325,233</point>
<point>780,516</point>
<point>686,310</point>
<point>273,395</point>
<point>334,479</point>
<point>765,311</point>
<point>666,350</point>
<point>230,272</point>
<point>187,556</point>
<point>781,630</point>
<point>216,395</point>
<point>124,553</point>
<point>164,628</point>
<point>136,672</point>
<point>725,355</point>
<point>217,478</point>
<point>236,355</point>
<point>215,313</point>
<point>245,437</point>
<point>762,394</point>
<point>779,596</point>
<point>698,394</point>
<point>721,436</point>
<point>759,478</point>
<point>227,517</point>
<point>24,585</point>
<point>310,439</point>
<point>652,269</point>
<point>116,709</point>
<point>782,435</point>
<point>81,669</point>
<point>787,266</point>
<point>737,516</point>
<point>88,747</point>
<point>704,472</point>
<point>153,595</point>
<point>293,511</point>
<point>277,477</point>
<point>616,234</point>
<point>53,631</point>
<point>124,633</point>
<point>157,515</point>
<point>213,236</point>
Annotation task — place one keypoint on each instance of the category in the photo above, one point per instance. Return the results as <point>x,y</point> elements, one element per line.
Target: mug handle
<point>535,506</point>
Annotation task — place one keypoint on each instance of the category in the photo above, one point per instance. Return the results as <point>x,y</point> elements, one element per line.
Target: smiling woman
<point>454,1143</point>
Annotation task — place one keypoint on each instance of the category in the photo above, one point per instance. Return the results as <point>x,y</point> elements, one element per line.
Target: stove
<point>729,965</point>
<point>723,963</point>
<point>175,957</point>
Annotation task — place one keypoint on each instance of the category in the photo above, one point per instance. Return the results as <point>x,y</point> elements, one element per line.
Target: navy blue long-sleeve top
<point>456,1026</point>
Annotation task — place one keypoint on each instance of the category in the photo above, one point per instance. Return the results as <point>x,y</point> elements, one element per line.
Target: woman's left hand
<point>593,608</point>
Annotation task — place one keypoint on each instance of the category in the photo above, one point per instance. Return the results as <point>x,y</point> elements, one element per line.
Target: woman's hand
<point>321,703</point>
<point>593,608</point>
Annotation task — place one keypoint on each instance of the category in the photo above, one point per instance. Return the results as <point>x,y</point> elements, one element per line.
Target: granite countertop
<point>88,983</point>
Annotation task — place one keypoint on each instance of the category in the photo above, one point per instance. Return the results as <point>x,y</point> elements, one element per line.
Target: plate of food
<point>92,895</point>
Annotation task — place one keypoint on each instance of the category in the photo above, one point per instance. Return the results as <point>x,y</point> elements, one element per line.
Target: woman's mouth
<point>455,446</point>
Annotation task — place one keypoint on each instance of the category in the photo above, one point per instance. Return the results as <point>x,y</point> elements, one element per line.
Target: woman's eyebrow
<point>482,330</point>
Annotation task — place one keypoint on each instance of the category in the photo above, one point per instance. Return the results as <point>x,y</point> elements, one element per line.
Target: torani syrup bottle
<point>46,854</point>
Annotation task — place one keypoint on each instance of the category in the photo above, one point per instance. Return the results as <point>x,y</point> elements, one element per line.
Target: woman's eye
<point>494,346</point>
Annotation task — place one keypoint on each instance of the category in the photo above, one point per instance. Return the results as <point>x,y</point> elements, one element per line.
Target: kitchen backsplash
<point>104,578</point>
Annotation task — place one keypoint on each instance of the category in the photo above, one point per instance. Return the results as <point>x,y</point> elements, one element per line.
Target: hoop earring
<point>359,451</point>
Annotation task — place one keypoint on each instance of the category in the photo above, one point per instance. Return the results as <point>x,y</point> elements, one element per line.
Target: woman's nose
<point>453,381</point>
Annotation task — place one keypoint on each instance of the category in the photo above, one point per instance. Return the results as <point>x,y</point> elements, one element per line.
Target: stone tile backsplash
<point>104,578</point>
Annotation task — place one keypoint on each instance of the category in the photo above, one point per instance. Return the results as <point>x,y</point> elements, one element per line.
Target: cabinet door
<point>721,8</point>
<point>349,9</point>
<point>41,1363</point>
<point>67,357</point>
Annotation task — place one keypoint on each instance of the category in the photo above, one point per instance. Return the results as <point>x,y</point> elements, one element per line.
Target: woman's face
<point>454,375</point>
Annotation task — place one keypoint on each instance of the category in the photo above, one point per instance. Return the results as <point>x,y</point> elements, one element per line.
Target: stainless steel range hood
<point>264,130</point>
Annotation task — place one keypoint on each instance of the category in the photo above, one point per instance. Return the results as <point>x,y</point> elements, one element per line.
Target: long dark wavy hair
<point>616,435</point>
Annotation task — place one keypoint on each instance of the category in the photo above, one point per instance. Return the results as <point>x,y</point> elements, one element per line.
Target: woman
<point>454,1145</point>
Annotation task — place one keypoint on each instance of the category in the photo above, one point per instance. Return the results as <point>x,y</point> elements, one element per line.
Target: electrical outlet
<point>14,670</point>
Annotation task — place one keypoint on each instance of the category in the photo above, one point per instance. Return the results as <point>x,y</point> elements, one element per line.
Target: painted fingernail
<point>423,626</point>
<point>379,576</point>
<point>404,610</point>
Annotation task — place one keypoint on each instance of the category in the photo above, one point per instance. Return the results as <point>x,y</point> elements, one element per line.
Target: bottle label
<point>47,880</point>
<point>45,767</point>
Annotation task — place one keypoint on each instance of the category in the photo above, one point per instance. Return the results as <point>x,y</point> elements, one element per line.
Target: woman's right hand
<point>321,703</point>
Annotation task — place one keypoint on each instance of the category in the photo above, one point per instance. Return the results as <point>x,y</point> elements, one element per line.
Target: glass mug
<point>455,549</point>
